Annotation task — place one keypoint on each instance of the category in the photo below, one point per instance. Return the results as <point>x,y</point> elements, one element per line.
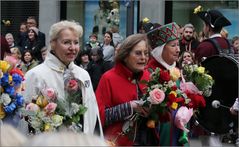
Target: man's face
<point>31,23</point>
<point>188,33</point>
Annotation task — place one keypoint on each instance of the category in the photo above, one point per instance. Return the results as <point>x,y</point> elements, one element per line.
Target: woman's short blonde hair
<point>16,51</point>
<point>56,28</point>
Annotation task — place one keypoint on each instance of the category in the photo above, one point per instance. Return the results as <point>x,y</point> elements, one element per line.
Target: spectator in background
<point>22,34</point>
<point>235,44</point>
<point>28,61</point>
<point>23,27</point>
<point>117,38</point>
<point>33,43</point>
<point>188,42</point>
<point>43,53</point>
<point>108,50</point>
<point>16,53</point>
<point>32,22</point>
<point>186,58</point>
<point>10,40</point>
<point>92,43</point>
<point>5,50</point>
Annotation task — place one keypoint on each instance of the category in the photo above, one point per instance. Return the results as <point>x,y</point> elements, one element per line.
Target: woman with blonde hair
<point>59,68</point>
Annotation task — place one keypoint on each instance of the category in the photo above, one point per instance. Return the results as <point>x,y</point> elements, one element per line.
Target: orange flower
<point>151,124</point>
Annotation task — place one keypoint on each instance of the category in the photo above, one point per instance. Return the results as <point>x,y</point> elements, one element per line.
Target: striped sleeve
<point>118,113</point>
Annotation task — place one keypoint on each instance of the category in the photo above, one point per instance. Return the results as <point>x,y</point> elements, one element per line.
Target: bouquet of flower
<point>49,112</point>
<point>164,94</point>
<point>41,114</point>
<point>10,89</point>
<point>71,107</point>
<point>167,94</point>
<point>197,75</point>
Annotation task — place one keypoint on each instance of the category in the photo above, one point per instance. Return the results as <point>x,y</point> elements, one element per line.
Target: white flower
<point>75,107</point>
<point>5,99</point>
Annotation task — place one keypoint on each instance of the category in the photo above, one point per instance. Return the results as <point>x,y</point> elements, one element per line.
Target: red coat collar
<point>122,70</point>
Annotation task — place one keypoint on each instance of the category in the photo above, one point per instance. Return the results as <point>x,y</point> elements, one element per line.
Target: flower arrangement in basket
<point>10,90</point>
<point>49,112</point>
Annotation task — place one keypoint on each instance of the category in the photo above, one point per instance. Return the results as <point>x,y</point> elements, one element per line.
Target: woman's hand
<point>137,106</point>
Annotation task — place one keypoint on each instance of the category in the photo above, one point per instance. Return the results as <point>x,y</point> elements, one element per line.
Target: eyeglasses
<point>140,53</point>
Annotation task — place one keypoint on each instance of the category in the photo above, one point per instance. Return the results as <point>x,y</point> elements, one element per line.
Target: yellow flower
<point>209,76</point>
<point>41,101</point>
<point>174,74</point>
<point>2,112</point>
<point>174,93</point>
<point>151,124</point>
<point>10,78</point>
<point>201,70</point>
<point>145,20</point>
<point>198,9</point>
<point>4,66</point>
<point>47,127</point>
<point>174,105</point>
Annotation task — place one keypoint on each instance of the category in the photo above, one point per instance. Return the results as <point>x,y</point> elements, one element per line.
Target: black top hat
<point>214,18</point>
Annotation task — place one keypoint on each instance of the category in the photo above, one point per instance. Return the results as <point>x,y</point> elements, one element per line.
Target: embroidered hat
<point>214,18</point>
<point>163,34</point>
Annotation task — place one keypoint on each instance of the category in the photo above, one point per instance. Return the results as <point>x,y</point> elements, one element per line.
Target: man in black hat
<point>214,21</point>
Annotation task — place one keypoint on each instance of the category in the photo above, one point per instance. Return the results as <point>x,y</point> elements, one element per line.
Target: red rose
<point>164,76</point>
<point>197,100</point>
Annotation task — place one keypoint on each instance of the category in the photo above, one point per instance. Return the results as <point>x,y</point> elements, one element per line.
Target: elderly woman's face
<point>66,46</point>
<point>138,57</point>
<point>171,51</point>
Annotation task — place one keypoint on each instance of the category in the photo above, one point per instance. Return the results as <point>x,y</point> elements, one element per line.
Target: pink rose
<point>50,108</point>
<point>189,87</point>
<point>182,117</point>
<point>72,85</point>
<point>51,94</point>
<point>156,96</point>
<point>32,107</point>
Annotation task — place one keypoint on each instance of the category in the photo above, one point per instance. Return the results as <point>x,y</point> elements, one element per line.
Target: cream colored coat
<point>50,74</point>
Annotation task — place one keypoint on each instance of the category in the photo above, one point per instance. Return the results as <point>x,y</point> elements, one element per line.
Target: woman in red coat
<point>119,91</point>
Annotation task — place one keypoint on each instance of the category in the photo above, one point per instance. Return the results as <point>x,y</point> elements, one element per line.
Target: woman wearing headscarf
<point>165,53</point>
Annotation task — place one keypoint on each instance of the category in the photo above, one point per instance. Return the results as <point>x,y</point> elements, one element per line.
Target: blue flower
<point>17,79</point>
<point>10,90</point>
<point>10,108</point>
<point>19,99</point>
<point>4,79</point>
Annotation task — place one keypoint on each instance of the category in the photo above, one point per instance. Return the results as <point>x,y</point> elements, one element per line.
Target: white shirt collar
<point>215,35</point>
